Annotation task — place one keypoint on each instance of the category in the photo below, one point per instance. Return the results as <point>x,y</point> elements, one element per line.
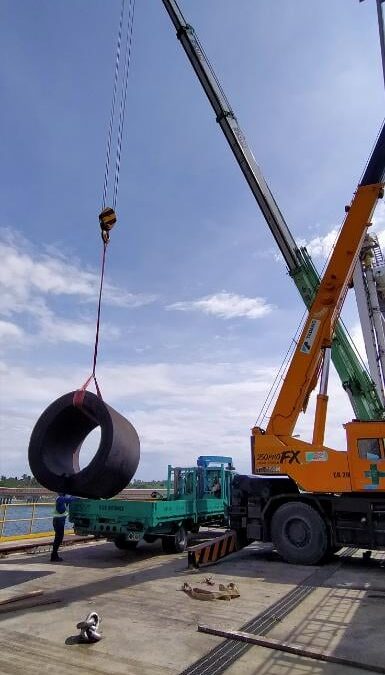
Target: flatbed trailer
<point>196,496</point>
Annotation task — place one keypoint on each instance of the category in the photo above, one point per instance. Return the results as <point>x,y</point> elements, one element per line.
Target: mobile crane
<point>307,498</point>
<point>367,400</point>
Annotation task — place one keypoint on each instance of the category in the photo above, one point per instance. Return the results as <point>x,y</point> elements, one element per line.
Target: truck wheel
<point>125,544</point>
<point>177,543</point>
<point>150,538</point>
<point>299,533</point>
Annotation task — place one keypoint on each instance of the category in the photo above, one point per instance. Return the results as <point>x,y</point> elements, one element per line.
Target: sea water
<point>18,519</point>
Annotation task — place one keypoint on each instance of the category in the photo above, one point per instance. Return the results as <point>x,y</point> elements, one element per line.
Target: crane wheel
<point>299,533</point>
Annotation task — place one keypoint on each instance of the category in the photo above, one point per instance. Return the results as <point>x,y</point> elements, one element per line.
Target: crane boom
<point>353,375</point>
<point>233,133</point>
<point>319,327</point>
<point>339,472</point>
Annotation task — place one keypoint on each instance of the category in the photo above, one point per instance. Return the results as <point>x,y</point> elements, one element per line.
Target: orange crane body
<point>313,466</point>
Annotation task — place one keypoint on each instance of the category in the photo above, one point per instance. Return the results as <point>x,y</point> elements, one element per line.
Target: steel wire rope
<point>113,103</point>
<point>355,348</point>
<point>212,71</point>
<point>348,335</point>
<point>284,364</point>
<point>79,394</point>
<point>263,414</point>
<point>205,57</point>
<point>281,372</point>
<point>268,399</point>
<point>123,99</point>
<point>270,395</point>
<point>294,340</point>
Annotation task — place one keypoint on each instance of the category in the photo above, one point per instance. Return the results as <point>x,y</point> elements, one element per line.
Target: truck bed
<point>118,516</point>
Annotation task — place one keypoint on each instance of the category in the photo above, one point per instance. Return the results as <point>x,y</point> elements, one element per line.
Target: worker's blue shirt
<point>61,503</point>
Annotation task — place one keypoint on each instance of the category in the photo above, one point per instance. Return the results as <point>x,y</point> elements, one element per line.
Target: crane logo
<point>284,457</point>
<point>375,475</point>
<point>310,336</point>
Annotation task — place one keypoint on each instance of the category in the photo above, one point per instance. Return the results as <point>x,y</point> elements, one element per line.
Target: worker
<point>59,520</point>
<point>216,488</point>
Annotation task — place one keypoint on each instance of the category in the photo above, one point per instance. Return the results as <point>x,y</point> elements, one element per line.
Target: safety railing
<point>33,518</point>
<point>25,520</point>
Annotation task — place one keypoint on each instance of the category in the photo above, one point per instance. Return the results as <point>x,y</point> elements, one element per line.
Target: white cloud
<point>10,331</point>
<point>53,329</point>
<point>227,306</point>
<point>321,246</point>
<point>179,410</point>
<point>118,297</point>
<point>30,282</point>
<point>26,275</point>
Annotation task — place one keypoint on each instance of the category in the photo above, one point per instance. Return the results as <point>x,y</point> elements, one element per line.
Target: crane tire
<point>56,442</point>
<point>299,533</point>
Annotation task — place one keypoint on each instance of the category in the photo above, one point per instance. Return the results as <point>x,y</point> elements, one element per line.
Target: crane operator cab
<point>366,455</point>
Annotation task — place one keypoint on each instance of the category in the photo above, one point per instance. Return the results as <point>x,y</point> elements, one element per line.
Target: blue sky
<point>198,309</point>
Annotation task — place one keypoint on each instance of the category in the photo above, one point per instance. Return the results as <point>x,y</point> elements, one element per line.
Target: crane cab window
<point>371,448</point>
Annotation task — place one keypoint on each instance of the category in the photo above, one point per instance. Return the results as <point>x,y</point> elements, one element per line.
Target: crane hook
<point>107,220</point>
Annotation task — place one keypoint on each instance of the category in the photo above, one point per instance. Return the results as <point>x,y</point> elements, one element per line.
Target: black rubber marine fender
<point>57,438</point>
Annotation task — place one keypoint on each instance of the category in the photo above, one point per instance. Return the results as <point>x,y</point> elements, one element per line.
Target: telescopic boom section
<point>234,135</point>
<point>355,379</point>
<point>318,331</point>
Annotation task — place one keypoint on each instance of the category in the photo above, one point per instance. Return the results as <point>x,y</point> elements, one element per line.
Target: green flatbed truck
<point>198,495</point>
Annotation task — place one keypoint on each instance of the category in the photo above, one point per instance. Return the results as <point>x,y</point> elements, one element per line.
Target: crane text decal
<point>284,457</point>
<point>318,456</point>
<point>310,336</point>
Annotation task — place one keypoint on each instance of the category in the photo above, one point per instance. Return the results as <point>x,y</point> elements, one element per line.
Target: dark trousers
<point>58,526</point>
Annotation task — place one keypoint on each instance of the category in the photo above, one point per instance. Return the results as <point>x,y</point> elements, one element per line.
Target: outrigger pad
<point>57,438</point>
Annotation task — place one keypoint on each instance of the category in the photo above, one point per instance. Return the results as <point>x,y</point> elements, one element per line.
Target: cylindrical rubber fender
<point>57,438</point>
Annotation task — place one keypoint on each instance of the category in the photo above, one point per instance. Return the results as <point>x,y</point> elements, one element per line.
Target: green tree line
<point>14,481</point>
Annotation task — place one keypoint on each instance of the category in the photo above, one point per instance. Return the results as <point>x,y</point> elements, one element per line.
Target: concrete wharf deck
<point>150,627</point>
